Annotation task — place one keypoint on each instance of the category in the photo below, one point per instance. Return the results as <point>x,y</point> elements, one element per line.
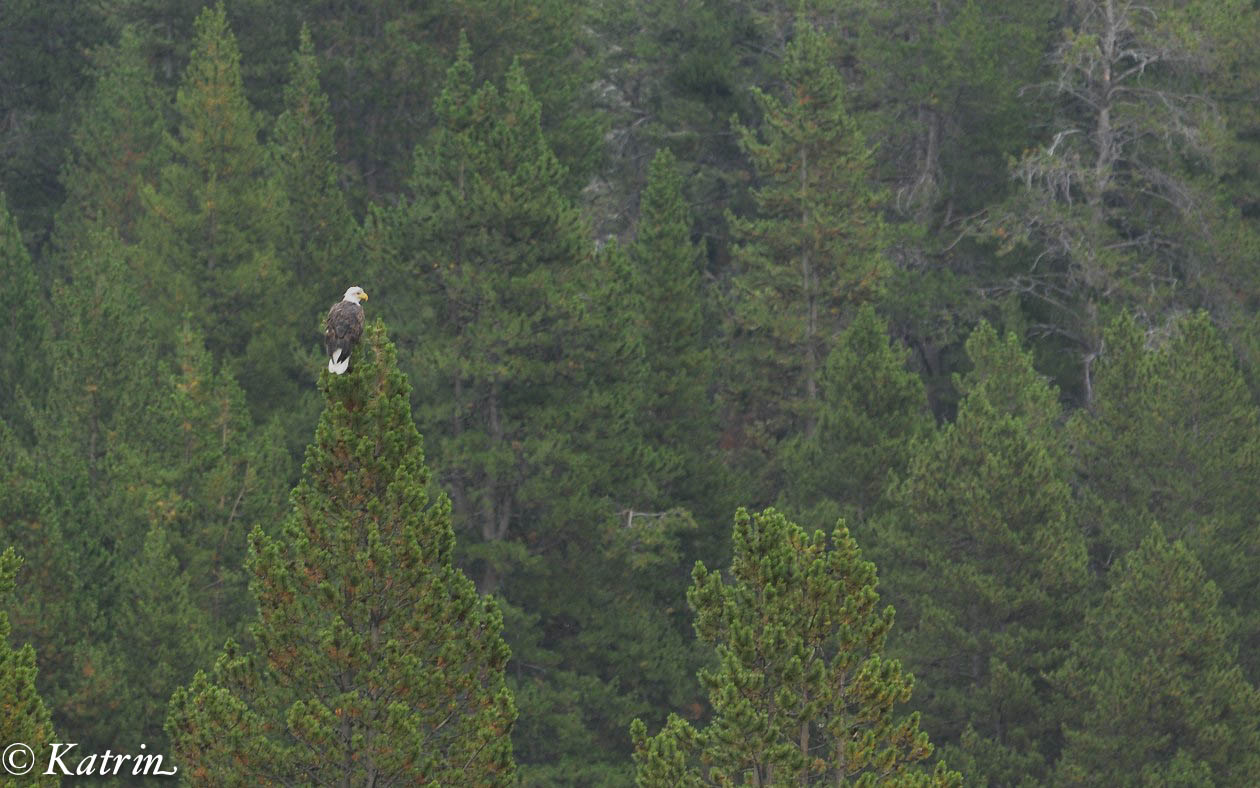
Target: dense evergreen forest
<point>753,393</point>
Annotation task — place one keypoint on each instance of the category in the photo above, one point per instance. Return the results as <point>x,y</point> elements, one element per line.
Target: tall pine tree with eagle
<point>375,660</point>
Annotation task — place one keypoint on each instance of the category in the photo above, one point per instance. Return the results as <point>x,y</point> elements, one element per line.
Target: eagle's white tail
<point>338,367</point>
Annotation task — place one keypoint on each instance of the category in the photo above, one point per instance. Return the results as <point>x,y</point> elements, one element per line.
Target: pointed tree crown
<point>802,694</point>
<point>376,660</point>
<point>23,716</point>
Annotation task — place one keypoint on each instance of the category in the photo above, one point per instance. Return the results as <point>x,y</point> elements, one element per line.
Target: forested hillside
<point>753,393</point>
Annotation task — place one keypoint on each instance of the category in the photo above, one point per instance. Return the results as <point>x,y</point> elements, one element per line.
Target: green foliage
<point>675,72</point>
<point>105,378</point>
<point>627,653</point>
<point>23,366</point>
<point>610,524</point>
<point>200,470</point>
<point>530,352</point>
<point>30,525</point>
<point>1159,696</point>
<point>667,277</point>
<point>54,610</point>
<point>375,658</point>
<point>1174,437</point>
<point>675,317</point>
<point>987,567</point>
<point>872,409</point>
<point>478,264</point>
<point>802,694</point>
<point>161,638</point>
<point>318,242</point>
<point>105,375</point>
<point>127,444</point>
<point>813,250</point>
<point>946,83</point>
<point>23,716</point>
<point>383,69</point>
<point>1112,208</point>
<point>607,361</point>
<point>162,29</point>
<point>209,234</point>
<point>45,65</point>
<point>118,147</point>
<point>1170,436</point>
<point>319,234</point>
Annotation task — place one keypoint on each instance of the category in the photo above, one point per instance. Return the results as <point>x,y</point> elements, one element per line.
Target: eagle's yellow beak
<point>362,296</point>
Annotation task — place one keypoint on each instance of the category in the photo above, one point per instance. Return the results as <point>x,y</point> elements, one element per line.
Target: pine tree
<point>945,82</point>
<point>96,400</point>
<point>943,90</point>
<point>1113,208</point>
<point>1159,696</point>
<point>118,147</point>
<point>619,647</point>
<point>95,413</point>
<point>1173,437</point>
<point>193,474</point>
<point>383,71</point>
<point>211,226</point>
<point>319,240</point>
<point>52,609</point>
<point>319,235</point>
<point>375,658</point>
<point>872,409</point>
<point>23,716</point>
<point>483,261</point>
<point>161,639</point>
<point>23,369</point>
<point>199,469</point>
<point>125,445</point>
<point>802,694</point>
<point>814,248</point>
<point>530,357</point>
<point>674,73</point>
<point>161,28</point>
<point>987,568</point>
<point>45,63</point>
<point>677,347</point>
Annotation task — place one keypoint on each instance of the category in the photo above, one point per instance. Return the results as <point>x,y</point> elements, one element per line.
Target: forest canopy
<point>751,393</point>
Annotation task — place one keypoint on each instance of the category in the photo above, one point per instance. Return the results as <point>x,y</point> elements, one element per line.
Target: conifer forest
<point>752,392</point>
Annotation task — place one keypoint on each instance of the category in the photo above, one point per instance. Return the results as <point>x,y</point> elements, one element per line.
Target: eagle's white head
<point>354,295</point>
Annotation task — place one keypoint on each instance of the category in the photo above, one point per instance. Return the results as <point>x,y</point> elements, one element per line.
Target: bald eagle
<point>343,328</point>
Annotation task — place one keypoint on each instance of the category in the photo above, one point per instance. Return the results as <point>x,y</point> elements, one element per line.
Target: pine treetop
<point>375,659</point>
<point>802,693</point>
<point>23,717</point>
